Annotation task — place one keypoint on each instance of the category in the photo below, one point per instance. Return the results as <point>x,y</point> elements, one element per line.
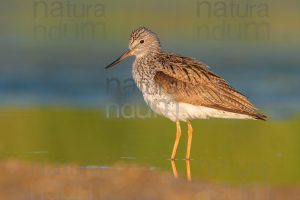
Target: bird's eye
<point>142,41</point>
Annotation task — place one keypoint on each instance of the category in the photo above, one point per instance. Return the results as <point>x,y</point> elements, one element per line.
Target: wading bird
<point>182,88</point>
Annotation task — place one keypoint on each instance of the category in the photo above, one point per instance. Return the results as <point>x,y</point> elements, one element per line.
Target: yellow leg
<point>178,133</point>
<point>188,170</point>
<point>174,169</point>
<point>190,136</point>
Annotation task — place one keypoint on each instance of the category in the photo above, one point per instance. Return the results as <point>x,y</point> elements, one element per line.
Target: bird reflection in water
<point>188,169</point>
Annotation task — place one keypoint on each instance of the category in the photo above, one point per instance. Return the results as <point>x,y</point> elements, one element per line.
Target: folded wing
<point>190,81</point>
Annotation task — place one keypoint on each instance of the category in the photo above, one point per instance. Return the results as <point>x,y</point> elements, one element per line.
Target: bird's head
<point>142,41</point>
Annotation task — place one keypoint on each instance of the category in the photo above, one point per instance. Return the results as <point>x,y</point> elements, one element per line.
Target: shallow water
<point>231,151</point>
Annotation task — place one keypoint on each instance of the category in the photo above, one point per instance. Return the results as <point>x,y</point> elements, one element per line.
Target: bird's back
<point>190,81</point>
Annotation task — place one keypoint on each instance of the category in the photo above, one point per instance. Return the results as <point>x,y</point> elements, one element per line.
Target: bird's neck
<point>147,54</point>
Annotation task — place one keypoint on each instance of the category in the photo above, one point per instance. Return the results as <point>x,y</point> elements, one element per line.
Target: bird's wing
<point>190,81</point>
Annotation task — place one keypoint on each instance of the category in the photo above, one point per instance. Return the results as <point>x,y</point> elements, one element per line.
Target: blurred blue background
<point>54,52</point>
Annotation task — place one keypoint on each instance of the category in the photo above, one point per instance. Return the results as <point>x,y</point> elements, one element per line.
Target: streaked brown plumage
<point>190,81</point>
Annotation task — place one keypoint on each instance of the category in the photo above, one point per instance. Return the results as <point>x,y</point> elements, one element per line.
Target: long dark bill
<point>122,57</point>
